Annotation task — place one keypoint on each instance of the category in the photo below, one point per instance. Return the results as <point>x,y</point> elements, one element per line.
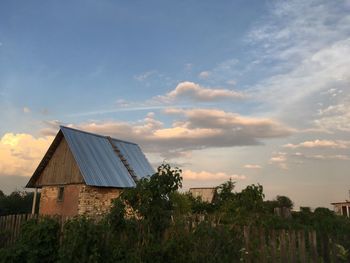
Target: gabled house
<point>81,173</point>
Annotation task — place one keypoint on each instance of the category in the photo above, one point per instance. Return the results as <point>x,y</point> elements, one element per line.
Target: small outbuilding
<point>207,194</point>
<point>81,173</point>
<point>342,208</point>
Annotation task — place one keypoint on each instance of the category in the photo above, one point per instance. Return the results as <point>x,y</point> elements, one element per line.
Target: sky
<point>256,91</point>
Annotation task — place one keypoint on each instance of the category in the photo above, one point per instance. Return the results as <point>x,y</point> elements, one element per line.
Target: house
<point>81,173</point>
<point>205,193</point>
<point>342,208</point>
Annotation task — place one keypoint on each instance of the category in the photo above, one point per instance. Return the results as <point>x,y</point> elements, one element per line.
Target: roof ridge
<point>95,134</point>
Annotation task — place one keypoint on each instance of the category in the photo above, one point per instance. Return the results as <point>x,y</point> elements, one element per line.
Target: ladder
<point>123,159</point>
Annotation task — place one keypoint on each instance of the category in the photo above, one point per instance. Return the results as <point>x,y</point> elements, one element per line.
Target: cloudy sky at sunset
<point>257,91</point>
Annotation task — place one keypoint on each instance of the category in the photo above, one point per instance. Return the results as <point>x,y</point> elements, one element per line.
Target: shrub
<point>38,242</point>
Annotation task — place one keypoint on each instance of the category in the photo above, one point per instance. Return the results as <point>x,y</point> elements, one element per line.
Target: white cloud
<point>145,75</point>
<point>208,179</point>
<point>332,144</point>
<point>204,74</point>
<point>305,43</point>
<point>340,157</point>
<point>280,159</point>
<point>195,129</point>
<point>193,91</point>
<point>335,117</point>
<point>206,176</point>
<point>252,166</point>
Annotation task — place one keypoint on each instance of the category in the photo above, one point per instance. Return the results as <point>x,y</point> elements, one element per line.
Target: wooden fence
<point>265,246</point>
<point>260,245</point>
<point>10,226</point>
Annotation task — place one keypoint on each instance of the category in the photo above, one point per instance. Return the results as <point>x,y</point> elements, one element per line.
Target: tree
<point>224,193</point>
<point>151,199</point>
<point>284,201</point>
<point>17,203</point>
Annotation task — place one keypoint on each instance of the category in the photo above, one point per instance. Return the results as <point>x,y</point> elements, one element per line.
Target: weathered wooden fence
<point>287,246</point>
<point>260,245</point>
<point>10,226</point>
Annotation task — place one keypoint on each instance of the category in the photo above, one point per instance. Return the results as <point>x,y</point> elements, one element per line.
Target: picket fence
<point>260,245</point>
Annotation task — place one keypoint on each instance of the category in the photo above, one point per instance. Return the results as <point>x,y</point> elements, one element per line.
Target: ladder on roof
<point>123,159</point>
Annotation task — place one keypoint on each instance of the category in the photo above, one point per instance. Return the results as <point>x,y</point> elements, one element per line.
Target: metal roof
<point>135,157</point>
<point>100,165</point>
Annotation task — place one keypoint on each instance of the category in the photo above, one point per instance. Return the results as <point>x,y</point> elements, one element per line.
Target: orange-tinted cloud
<point>196,129</point>
<point>21,153</point>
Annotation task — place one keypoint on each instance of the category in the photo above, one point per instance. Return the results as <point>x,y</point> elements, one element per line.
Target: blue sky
<point>253,90</point>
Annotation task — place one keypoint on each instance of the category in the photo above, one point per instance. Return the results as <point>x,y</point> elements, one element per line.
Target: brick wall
<point>78,199</point>
<point>96,200</point>
<point>50,205</point>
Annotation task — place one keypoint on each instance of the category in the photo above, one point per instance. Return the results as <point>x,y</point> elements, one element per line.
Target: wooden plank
<point>283,251</point>
<point>2,222</point>
<point>15,231</point>
<point>273,246</point>
<point>313,245</point>
<point>262,239</point>
<point>11,227</point>
<point>62,168</point>
<point>292,246</point>
<point>301,246</point>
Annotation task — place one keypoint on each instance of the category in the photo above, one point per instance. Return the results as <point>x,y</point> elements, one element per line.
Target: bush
<point>83,241</point>
<point>38,242</point>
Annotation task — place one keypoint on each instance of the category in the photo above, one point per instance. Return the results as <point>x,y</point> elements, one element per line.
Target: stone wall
<point>96,200</point>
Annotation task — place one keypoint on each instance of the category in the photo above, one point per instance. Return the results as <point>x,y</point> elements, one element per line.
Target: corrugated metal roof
<point>135,158</point>
<point>100,165</point>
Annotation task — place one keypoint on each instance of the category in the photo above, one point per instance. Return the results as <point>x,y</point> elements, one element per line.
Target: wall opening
<point>60,194</point>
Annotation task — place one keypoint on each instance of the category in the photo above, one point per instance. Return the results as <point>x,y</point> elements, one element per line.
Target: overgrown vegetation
<point>18,202</point>
<point>153,223</point>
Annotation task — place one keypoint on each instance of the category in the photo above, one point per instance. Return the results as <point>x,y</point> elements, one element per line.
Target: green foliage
<point>87,237</point>
<point>151,199</point>
<point>153,223</point>
<point>284,201</point>
<point>182,204</point>
<point>224,193</point>
<point>17,203</point>
<point>38,242</point>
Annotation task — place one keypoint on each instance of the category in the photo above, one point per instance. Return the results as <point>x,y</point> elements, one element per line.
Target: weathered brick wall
<point>49,204</point>
<point>96,200</point>
<point>78,199</point>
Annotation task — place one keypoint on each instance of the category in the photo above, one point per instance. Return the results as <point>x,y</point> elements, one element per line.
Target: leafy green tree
<point>284,201</point>
<point>224,193</point>
<point>151,199</point>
